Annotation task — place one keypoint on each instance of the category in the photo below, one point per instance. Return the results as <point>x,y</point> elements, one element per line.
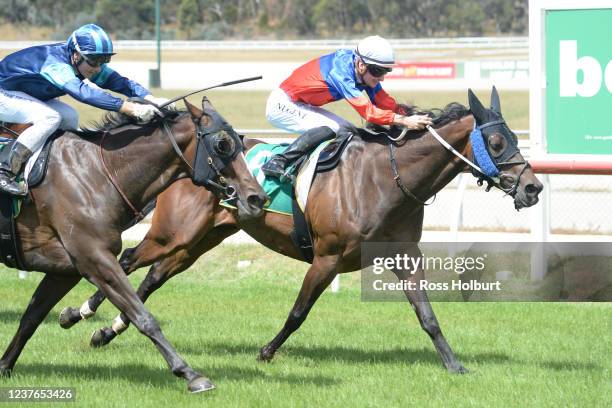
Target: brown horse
<point>71,227</point>
<point>359,201</point>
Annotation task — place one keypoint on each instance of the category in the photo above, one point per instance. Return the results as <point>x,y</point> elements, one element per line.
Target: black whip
<point>237,81</point>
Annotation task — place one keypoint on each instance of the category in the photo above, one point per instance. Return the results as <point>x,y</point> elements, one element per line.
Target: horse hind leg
<point>69,316</point>
<point>427,318</point>
<point>158,275</point>
<point>50,291</point>
<point>320,274</point>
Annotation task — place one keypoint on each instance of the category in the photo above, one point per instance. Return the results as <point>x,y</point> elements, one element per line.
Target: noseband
<point>208,163</point>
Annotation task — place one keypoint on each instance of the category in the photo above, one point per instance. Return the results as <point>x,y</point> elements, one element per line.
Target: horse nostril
<point>255,200</point>
<point>532,189</point>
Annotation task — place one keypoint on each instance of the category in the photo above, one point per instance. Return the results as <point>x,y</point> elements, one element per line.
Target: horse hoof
<point>459,370</point>
<point>101,337</point>
<point>200,384</point>
<point>5,372</point>
<point>68,317</point>
<point>265,354</point>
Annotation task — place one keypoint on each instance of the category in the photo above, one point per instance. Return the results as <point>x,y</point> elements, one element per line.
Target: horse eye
<point>224,146</point>
<point>497,144</point>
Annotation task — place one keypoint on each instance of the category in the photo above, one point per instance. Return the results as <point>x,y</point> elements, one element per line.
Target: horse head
<point>219,163</point>
<point>495,150</point>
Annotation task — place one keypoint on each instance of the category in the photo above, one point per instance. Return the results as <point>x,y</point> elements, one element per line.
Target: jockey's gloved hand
<point>142,112</point>
<point>413,122</point>
<point>159,101</point>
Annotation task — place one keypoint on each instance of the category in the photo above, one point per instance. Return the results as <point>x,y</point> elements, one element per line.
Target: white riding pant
<point>298,117</point>
<point>45,117</point>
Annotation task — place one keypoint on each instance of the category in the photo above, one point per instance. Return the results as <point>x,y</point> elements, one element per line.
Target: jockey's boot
<point>276,166</point>
<point>11,168</point>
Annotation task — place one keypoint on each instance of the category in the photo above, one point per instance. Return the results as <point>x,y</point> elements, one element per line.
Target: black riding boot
<point>11,168</point>
<point>275,167</point>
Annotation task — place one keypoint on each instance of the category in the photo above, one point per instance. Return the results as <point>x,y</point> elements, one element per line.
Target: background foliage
<point>274,19</point>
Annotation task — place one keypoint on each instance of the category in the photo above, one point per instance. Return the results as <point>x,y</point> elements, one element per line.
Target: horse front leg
<point>50,291</point>
<point>320,274</point>
<point>102,269</point>
<point>427,318</point>
<point>145,253</point>
<point>159,274</point>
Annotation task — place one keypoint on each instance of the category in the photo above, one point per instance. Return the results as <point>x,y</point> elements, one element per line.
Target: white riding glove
<point>143,112</point>
<point>159,101</point>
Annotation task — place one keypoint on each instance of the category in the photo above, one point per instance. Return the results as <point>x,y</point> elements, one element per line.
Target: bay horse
<point>362,200</point>
<point>70,227</point>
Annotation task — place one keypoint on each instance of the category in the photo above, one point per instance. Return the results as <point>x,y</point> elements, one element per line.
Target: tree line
<point>274,19</point>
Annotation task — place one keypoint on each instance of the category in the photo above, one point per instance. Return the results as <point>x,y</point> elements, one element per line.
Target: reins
<point>398,179</point>
<point>175,145</point>
<point>139,214</point>
<point>492,180</point>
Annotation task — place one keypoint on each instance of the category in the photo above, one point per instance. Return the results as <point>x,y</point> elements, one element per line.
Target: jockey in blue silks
<point>31,80</point>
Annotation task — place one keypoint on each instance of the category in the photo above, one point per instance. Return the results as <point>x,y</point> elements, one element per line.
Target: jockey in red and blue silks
<point>345,74</point>
<point>32,79</point>
<point>331,78</point>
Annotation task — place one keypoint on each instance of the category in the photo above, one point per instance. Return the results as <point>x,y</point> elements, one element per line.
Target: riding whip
<point>237,81</point>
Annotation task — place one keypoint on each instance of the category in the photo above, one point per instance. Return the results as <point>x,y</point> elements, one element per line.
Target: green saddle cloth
<point>279,193</point>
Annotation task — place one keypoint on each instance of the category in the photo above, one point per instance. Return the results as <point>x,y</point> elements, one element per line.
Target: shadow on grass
<point>569,366</point>
<point>350,355</point>
<point>394,355</point>
<point>138,374</point>
<point>10,316</point>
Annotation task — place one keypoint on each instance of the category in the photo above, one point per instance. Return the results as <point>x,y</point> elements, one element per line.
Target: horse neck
<point>148,163</point>
<point>428,165</point>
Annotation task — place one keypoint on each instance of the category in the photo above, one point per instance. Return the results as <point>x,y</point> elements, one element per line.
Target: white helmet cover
<point>376,50</point>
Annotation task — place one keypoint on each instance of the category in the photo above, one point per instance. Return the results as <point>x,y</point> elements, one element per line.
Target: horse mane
<point>440,117</point>
<point>114,120</point>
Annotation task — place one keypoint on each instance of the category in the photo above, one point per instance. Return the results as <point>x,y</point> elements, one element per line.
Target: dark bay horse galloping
<point>71,228</point>
<point>368,199</point>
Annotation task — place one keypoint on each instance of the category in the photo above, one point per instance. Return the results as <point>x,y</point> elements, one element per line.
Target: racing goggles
<point>377,71</point>
<point>97,60</point>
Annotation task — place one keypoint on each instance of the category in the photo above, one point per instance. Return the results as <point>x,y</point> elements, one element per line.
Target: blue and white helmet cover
<point>90,39</point>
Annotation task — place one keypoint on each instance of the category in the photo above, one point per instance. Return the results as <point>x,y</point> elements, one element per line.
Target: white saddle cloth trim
<point>304,178</point>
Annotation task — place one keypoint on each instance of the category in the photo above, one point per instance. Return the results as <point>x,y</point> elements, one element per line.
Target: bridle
<point>205,171</point>
<point>218,144</point>
<point>491,165</point>
<point>484,167</point>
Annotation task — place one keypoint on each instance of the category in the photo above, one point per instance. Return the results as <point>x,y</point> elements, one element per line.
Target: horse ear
<point>206,104</point>
<point>495,105</point>
<point>478,110</point>
<point>193,110</point>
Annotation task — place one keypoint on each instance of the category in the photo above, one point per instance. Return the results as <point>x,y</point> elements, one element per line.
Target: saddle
<point>328,159</point>
<point>10,253</point>
<point>330,155</point>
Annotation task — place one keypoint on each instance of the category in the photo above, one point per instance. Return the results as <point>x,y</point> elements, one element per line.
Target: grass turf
<point>348,352</point>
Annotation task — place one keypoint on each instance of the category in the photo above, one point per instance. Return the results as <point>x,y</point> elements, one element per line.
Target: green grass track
<point>348,353</point>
